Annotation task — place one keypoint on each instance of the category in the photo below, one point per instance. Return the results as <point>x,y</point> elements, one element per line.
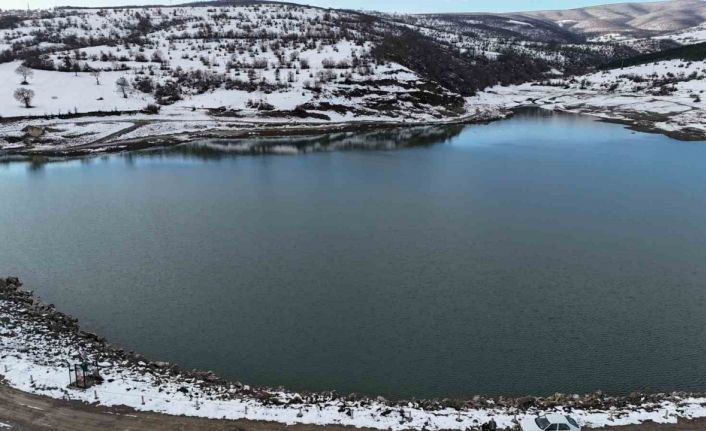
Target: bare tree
<point>123,85</point>
<point>24,95</point>
<point>25,72</point>
<point>96,74</point>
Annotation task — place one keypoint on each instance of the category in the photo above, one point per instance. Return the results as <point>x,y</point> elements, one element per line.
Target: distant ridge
<point>211,3</point>
<point>633,18</point>
<point>638,19</point>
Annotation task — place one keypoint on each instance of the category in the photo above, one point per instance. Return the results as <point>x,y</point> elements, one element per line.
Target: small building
<point>84,375</point>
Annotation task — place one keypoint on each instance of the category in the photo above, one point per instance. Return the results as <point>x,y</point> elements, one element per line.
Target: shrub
<point>152,108</point>
<point>144,85</point>
<point>168,93</point>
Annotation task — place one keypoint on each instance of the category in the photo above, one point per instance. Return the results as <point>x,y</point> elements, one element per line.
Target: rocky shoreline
<point>55,138</point>
<point>128,139</point>
<point>37,333</point>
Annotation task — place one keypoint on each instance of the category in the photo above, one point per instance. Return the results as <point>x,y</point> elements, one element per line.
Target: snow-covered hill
<point>629,18</point>
<point>666,96</point>
<point>85,78</point>
<point>221,65</point>
<point>244,59</point>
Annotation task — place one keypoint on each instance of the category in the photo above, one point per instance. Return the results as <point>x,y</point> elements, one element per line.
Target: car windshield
<point>542,423</point>
<point>571,420</point>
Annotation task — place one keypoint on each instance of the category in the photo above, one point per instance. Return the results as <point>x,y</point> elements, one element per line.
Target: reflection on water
<point>366,138</point>
<point>386,138</point>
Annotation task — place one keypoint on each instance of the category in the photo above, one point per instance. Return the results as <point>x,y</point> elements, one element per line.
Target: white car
<point>551,422</point>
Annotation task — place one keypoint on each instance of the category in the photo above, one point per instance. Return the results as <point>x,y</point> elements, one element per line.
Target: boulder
<point>525,402</point>
<point>34,131</point>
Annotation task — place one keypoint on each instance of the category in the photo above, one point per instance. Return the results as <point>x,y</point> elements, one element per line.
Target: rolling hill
<point>632,18</point>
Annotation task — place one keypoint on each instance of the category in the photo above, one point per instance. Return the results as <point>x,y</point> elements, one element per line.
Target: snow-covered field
<point>37,344</point>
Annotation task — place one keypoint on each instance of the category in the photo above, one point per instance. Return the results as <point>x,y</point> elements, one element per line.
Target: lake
<point>545,253</point>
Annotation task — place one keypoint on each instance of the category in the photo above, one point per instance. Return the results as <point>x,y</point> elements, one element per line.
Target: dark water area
<point>541,254</point>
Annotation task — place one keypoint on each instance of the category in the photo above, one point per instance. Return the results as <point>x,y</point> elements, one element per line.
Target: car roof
<point>556,418</point>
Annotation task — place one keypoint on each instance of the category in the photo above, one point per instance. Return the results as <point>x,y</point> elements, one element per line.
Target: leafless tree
<point>24,95</point>
<point>123,85</point>
<point>25,72</point>
<point>96,74</point>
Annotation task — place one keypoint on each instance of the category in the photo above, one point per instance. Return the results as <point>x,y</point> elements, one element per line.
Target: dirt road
<point>25,412</point>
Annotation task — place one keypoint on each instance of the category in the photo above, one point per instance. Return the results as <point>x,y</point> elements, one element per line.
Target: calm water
<point>539,254</point>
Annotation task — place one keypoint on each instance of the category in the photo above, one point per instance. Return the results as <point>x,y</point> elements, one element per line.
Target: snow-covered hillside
<point>687,36</point>
<point>88,78</point>
<point>629,18</point>
<point>219,67</point>
<point>666,96</point>
<point>261,62</point>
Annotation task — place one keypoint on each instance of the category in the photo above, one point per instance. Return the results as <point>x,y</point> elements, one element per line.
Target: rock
<point>526,402</point>
<point>212,377</point>
<point>34,131</point>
